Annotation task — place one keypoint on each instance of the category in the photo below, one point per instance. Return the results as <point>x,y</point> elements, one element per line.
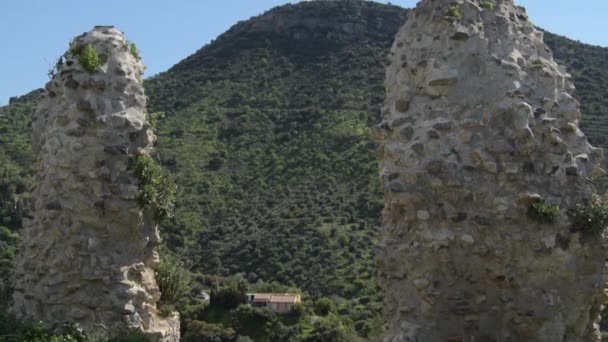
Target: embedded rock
<point>490,128</point>
<point>88,253</point>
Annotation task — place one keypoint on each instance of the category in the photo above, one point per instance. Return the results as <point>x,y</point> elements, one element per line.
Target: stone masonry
<point>88,253</point>
<point>480,123</point>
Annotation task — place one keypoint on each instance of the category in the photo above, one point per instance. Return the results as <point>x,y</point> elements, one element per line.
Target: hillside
<point>16,168</point>
<point>589,66</point>
<point>267,131</point>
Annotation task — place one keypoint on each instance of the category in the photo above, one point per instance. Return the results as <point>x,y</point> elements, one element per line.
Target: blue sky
<point>33,33</point>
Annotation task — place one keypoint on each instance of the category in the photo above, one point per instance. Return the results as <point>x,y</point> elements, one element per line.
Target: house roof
<point>262,297</point>
<point>287,298</point>
<point>275,297</point>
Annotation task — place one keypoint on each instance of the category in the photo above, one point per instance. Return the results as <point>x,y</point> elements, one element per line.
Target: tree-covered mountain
<point>267,132</point>
<point>588,65</point>
<point>16,169</point>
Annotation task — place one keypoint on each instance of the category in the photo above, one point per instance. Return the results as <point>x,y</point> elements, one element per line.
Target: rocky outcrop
<point>481,159</point>
<point>88,253</point>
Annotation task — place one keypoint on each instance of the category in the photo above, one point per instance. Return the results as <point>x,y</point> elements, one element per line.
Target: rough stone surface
<point>491,126</point>
<point>88,253</point>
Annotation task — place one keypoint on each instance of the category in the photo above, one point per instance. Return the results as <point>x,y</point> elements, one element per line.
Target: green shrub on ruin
<point>134,51</point>
<point>87,58</point>
<point>543,212</point>
<point>590,218</point>
<point>538,63</point>
<point>59,63</point>
<point>156,188</point>
<point>454,11</point>
<point>85,55</point>
<point>173,279</point>
<point>75,48</point>
<point>132,48</point>
<point>153,118</point>
<point>487,4</point>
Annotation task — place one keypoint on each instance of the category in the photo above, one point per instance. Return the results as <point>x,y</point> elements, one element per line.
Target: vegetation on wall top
<point>86,56</point>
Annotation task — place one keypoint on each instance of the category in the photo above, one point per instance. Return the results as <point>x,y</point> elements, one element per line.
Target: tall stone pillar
<point>481,158</point>
<point>88,253</point>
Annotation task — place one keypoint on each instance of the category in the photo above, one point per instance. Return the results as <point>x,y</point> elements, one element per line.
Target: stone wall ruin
<point>479,124</point>
<point>88,253</point>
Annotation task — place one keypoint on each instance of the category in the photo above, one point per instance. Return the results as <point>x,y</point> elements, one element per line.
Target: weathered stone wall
<point>479,123</point>
<point>87,255</point>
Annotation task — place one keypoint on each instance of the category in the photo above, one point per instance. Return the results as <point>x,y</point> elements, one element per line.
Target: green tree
<point>325,331</point>
<point>198,331</point>
<point>173,278</point>
<point>323,306</point>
